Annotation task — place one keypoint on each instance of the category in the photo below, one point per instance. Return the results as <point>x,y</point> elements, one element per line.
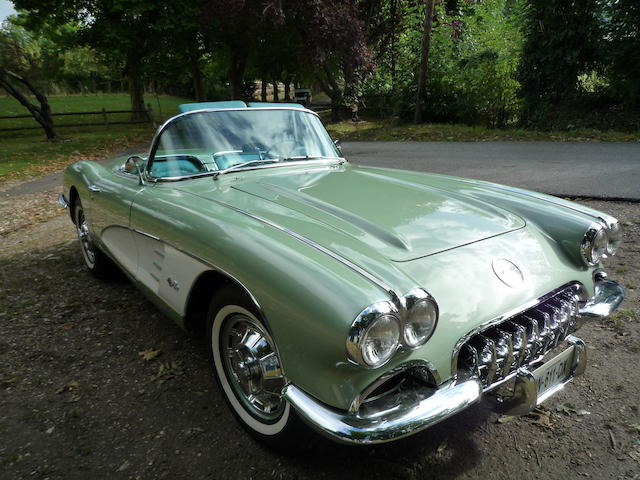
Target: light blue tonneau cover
<point>188,107</point>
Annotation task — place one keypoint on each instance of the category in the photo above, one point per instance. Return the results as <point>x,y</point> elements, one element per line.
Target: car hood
<point>349,208</point>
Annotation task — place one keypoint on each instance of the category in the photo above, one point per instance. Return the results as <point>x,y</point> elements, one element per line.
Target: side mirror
<point>338,146</point>
<point>133,166</point>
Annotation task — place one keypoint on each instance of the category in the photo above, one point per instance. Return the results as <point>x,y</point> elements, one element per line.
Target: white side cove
<point>166,271</point>
<point>120,243</point>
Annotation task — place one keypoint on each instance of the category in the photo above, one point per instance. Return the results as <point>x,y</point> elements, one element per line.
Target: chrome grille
<point>495,353</point>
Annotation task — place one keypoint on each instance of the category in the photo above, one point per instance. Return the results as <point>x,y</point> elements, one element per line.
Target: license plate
<point>555,371</point>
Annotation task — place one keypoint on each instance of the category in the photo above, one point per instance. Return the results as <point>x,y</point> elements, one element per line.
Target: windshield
<point>204,142</point>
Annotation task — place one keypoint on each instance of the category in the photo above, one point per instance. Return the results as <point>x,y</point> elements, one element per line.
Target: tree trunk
<point>334,92</point>
<point>136,90</point>
<point>424,62</point>
<point>133,71</point>
<point>236,74</point>
<point>276,97</point>
<point>263,88</point>
<point>287,90</point>
<point>41,114</point>
<point>198,81</point>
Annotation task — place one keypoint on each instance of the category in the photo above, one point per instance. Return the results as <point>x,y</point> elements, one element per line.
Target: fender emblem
<point>508,272</point>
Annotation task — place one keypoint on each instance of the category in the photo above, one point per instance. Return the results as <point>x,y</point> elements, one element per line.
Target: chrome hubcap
<point>85,240</point>
<point>252,367</point>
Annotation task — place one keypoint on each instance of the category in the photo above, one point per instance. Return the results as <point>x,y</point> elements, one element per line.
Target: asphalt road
<point>569,169</point>
<point>572,169</point>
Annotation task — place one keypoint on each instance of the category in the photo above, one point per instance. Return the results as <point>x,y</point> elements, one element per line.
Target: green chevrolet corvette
<point>369,303</point>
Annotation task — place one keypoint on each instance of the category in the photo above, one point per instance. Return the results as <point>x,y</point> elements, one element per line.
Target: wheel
<point>96,261</point>
<point>248,369</point>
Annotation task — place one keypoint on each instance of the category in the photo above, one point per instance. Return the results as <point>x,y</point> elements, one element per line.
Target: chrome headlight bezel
<point>614,235</point>
<point>591,247</point>
<point>363,325</point>
<point>412,301</point>
<point>399,310</point>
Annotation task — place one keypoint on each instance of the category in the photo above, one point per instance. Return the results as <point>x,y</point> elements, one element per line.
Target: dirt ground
<point>95,383</point>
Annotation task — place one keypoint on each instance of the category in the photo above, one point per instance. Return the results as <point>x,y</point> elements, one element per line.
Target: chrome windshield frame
<point>156,139</point>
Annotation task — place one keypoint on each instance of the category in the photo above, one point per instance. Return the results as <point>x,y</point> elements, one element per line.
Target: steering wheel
<point>283,149</point>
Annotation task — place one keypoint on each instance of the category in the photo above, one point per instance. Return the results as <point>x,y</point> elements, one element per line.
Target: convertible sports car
<point>371,303</point>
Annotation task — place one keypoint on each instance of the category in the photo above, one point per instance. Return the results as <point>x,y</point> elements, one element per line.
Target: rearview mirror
<point>133,166</point>
<point>338,146</point>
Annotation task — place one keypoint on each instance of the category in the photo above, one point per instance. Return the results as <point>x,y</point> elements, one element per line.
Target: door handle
<point>94,188</point>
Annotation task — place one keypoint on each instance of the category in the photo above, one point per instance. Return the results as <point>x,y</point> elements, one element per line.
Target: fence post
<point>104,117</point>
<point>150,115</point>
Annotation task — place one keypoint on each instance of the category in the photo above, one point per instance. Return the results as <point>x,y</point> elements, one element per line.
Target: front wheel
<point>248,368</point>
<point>96,261</point>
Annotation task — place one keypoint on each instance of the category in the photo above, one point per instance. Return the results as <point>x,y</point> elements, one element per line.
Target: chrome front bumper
<point>608,297</point>
<point>419,409</point>
<point>62,201</point>
<point>411,413</point>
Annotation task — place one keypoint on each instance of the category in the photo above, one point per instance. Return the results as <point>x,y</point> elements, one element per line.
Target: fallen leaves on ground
<point>167,371</point>
<point>149,354</point>
<point>71,385</point>
<point>20,212</point>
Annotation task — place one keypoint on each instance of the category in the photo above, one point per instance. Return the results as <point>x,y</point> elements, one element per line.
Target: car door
<point>160,225</point>
<point>111,197</point>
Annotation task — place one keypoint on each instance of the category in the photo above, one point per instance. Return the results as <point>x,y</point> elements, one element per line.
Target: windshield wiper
<point>216,174</point>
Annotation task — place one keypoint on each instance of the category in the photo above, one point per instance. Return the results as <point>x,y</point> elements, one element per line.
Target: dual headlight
<point>380,329</point>
<point>601,240</point>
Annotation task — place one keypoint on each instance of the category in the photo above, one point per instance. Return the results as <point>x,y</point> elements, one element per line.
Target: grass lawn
<point>27,153</point>
<point>380,130</point>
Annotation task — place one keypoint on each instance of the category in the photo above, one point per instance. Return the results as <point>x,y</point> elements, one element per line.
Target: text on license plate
<point>556,370</point>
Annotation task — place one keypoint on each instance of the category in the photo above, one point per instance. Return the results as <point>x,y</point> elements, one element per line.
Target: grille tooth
<point>471,359</point>
<point>547,332</point>
<point>487,358</point>
<point>564,317</point>
<point>534,342</point>
<point>497,352</point>
<point>504,352</point>
<point>519,341</point>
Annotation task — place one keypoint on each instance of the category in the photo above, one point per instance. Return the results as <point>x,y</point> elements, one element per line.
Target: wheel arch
<point>73,198</point>
<point>201,293</point>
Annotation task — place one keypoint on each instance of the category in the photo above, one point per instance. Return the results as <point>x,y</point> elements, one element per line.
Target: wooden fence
<point>148,118</point>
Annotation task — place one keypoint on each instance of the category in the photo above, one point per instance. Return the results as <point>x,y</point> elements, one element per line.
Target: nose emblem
<point>508,272</point>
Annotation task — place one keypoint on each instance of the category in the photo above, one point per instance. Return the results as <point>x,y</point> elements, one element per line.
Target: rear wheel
<point>248,368</point>
<point>96,261</point>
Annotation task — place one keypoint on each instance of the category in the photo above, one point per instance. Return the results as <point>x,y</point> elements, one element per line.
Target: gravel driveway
<point>79,400</point>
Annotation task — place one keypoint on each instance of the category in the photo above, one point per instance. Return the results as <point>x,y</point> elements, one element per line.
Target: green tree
<point>561,43</point>
<point>19,55</point>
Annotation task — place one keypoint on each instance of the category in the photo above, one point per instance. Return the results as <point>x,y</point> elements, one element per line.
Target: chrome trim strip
<point>135,230</point>
<point>62,201</point>
<point>408,414</point>
<point>356,268</point>
<point>608,297</point>
<point>512,313</point>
